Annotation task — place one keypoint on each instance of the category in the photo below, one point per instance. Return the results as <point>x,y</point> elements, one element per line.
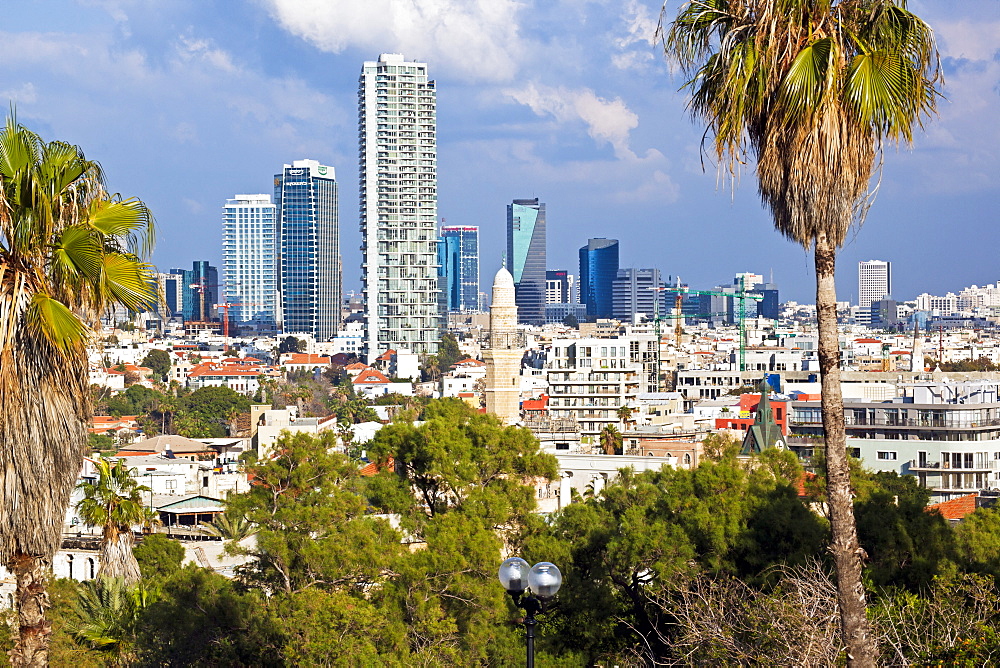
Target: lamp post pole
<point>542,580</point>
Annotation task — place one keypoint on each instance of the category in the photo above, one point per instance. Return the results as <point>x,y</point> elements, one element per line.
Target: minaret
<point>503,356</point>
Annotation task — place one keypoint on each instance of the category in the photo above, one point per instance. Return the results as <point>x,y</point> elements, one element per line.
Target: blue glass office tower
<point>249,263</point>
<point>526,258</point>
<point>598,270</point>
<point>305,194</point>
<point>458,257</point>
<point>200,291</point>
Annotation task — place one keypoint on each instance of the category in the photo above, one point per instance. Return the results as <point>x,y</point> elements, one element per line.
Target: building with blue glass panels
<point>305,195</point>
<point>526,258</point>
<point>458,257</point>
<point>199,291</point>
<point>598,270</point>
<point>249,263</point>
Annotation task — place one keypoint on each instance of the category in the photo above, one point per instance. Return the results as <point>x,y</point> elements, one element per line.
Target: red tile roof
<point>356,366</point>
<point>373,468</point>
<point>370,377</point>
<point>306,358</point>
<point>955,509</point>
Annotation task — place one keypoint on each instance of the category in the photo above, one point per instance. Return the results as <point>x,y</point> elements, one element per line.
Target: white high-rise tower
<point>874,284</point>
<point>398,156</point>
<point>249,262</point>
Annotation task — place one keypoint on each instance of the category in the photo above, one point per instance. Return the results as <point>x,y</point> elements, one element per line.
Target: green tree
<point>313,529</point>
<point>201,619</point>
<point>811,90</point>
<point>113,502</point>
<point>158,556</point>
<point>448,351</point>
<point>207,412</point>
<point>290,344</point>
<point>159,361</point>
<point>109,610</point>
<point>68,252</point>
<point>571,321</point>
<point>229,526</point>
<point>611,440</point>
<point>977,542</point>
<point>101,443</point>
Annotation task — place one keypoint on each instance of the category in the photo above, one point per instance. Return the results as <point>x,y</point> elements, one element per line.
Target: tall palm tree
<point>811,90</point>
<point>114,503</point>
<point>68,252</point>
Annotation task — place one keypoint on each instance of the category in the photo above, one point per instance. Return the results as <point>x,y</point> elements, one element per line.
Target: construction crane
<point>225,316</point>
<point>741,295</point>
<point>201,286</point>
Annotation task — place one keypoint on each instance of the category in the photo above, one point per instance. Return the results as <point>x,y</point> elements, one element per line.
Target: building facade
<point>874,284</point>
<point>504,352</point>
<point>250,263</point>
<point>598,270</point>
<point>397,116</point>
<point>636,291</point>
<point>526,257</point>
<point>560,287</point>
<point>305,197</point>
<point>458,257</point>
<point>199,291</point>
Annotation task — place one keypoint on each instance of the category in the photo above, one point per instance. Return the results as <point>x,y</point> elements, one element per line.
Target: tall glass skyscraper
<point>397,107</point>
<point>598,270</point>
<point>305,194</point>
<point>249,262</point>
<point>526,258</point>
<point>458,255</point>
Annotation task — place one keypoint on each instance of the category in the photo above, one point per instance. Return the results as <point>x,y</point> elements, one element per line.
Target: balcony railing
<point>946,467</point>
<point>909,422</point>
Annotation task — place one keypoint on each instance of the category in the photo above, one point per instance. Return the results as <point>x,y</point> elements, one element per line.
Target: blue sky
<point>188,102</point>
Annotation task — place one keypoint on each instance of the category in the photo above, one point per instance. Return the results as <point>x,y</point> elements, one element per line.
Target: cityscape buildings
<point>874,284</point>
<point>249,262</point>
<point>305,197</point>
<point>598,270</point>
<point>458,257</point>
<point>560,287</point>
<point>526,255</point>
<point>638,291</point>
<point>397,107</point>
<point>199,291</point>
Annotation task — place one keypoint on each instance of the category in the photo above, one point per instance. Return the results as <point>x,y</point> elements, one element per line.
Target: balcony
<point>946,467</point>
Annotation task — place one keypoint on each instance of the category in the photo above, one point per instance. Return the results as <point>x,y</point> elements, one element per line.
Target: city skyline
<point>591,123</point>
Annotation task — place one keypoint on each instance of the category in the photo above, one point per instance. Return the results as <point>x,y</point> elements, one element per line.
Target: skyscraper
<point>305,194</point>
<point>559,286</point>
<point>458,255</point>
<point>526,258</point>
<point>598,270</point>
<point>249,262</point>
<point>200,291</point>
<point>874,284</point>
<point>397,107</point>
<point>633,291</point>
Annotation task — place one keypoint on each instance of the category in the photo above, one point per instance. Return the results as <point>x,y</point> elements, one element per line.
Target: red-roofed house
<point>373,383</point>
<point>955,510</point>
<point>242,378</point>
<point>355,368</point>
<point>304,362</point>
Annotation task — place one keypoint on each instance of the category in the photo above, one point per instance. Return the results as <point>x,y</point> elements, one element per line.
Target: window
<point>885,456</point>
<point>171,484</point>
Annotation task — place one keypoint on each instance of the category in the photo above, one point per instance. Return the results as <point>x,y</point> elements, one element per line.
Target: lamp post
<point>542,580</point>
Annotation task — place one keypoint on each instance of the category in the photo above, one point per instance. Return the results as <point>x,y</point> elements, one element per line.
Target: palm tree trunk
<point>32,648</point>
<point>844,539</point>
<point>118,560</point>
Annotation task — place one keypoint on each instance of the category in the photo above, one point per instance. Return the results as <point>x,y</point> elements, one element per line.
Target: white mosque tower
<point>503,356</point>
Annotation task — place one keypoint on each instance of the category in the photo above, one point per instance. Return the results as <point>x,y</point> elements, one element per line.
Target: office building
<point>305,196</point>
<point>874,284</point>
<point>397,106</point>
<point>458,257</point>
<point>598,270</point>
<point>199,291</point>
<point>526,258</point>
<point>770,305</point>
<point>560,287</point>
<point>249,263</point>
<point>636,291</point>
<point>171,290</point>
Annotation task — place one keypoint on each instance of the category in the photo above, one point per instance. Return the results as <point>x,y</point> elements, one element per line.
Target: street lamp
<point>543,580</point>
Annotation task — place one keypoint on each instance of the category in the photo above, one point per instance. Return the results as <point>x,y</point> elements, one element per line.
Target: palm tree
<point>114,503</point>
<point>811,90</point>
<point>624,413</point>
<point>611,440</point>
<point>68,252</point>
<point>108,612</point>
<point>231,528</point>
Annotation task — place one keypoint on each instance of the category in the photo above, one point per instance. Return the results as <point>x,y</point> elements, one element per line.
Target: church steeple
<point>765,432</point>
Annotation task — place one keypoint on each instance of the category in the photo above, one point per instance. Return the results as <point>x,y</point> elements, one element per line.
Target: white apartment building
<point>591,378</point>
<point>249,257</point>
<point>397,106</point>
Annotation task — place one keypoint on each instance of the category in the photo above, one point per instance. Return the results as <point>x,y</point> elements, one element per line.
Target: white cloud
<point>968,40</point>
<point>608,121</point>
<point>25,93</point>
<point>474,40</point>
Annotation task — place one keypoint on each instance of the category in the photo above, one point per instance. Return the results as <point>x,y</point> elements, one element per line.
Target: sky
<point>187,103</point>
